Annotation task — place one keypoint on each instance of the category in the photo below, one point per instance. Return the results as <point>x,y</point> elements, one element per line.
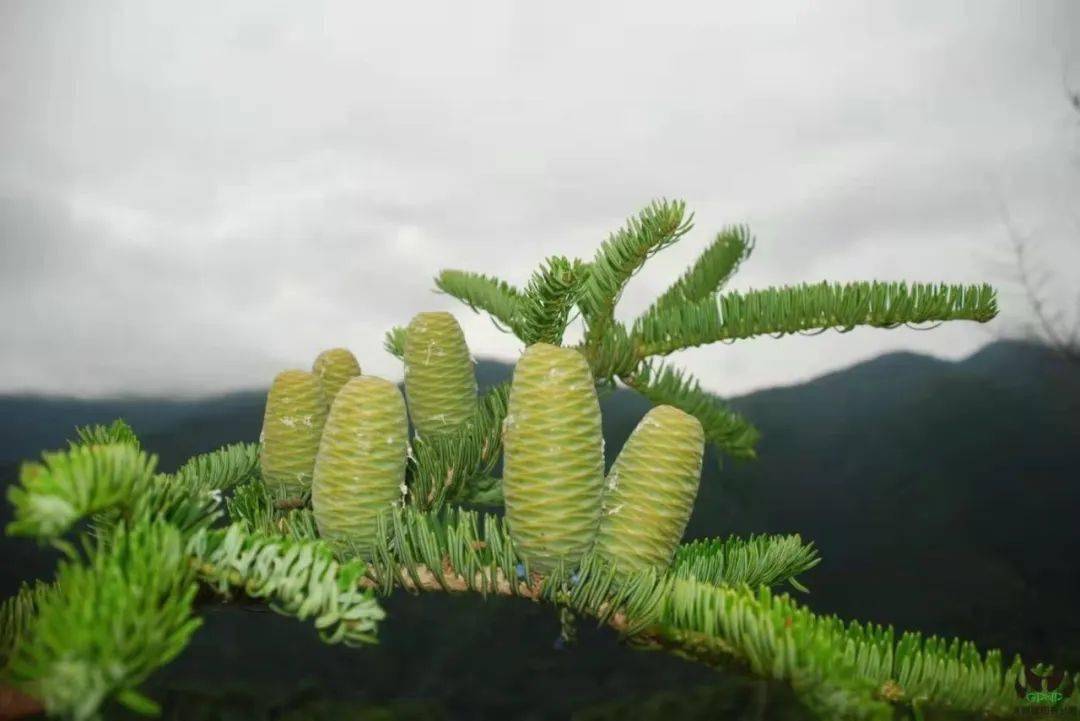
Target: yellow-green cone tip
<point>650,490</point>
<point>553,467</point>
<point>360,469</point>
<point>334,368</point>
<point>440,380</point>
<point>292,426</point>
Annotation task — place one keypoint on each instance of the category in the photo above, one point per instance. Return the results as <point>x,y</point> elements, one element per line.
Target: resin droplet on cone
<point>361,463</point>
<point>292,426</point>
<point>650,490</point>
<point>334,368</point>
<point>440,381</point>
<point>553,467</point>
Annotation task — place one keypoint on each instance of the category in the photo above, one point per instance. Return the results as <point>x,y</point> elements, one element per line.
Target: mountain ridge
<point>936,491</point>
<point>22,437</point>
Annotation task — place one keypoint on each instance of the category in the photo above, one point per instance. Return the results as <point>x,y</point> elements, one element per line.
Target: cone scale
<point>553,467</point>
<point>650,491</point>
<point>334,368</point>
<point>440,381</point>
<point>361,463</point>
<point>292,425</point>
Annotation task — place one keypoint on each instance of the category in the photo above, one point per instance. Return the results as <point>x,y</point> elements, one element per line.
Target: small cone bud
<point>650,490</point>
<point>292,425</point>
<point>334,368</point>
<point>360,468</point>
<point>440,381</point>
<point>553,468</point>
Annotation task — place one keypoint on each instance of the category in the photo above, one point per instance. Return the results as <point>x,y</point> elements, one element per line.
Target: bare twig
<point>15,704</point>
<point>1065,343</point>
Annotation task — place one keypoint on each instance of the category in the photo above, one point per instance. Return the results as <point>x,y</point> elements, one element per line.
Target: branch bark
<point>14,704</point>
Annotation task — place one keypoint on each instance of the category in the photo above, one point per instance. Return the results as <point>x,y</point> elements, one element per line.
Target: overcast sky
<point>196,195</point>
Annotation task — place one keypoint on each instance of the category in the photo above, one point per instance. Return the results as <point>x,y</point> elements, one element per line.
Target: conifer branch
<point>100,481</point>
<point>845,670</point>
<point>779,311</point>
<point>485,491</point>
<point>297,577</point>
<point>394,342</point>
<point>192,497</point>
<point>112,620</point>
<point>271,512</point>
<point>759,560</point>
<point>611,355</point>
<point>71,485</point>
<point>780,639</point>
<point>712,270</point>
<point>97,435</point>
<point>658,226</point>
<point>219,470</point>
<point>456,467</point>
<point>483,292</point>
<point>544,309</point>
<point>154,535</point>
<point>661,383</point>
<point>16,614</point>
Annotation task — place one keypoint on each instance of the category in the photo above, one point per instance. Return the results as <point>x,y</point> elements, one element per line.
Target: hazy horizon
<point>262,388</point>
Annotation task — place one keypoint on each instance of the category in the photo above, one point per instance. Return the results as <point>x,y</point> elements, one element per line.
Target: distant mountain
<point>942,496</point>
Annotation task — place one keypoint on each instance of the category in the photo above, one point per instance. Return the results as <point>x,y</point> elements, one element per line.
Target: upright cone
<point>553,467</point>
<point>334,368</point>
<point>650,490</point>
<point>361,463</point>
<point>440,381</point>
<point>292,425</point>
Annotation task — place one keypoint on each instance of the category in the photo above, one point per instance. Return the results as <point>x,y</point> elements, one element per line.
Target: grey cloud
<point>192,197</point>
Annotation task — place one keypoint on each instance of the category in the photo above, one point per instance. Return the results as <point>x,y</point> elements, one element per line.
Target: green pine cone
<point>650,490</point>
<point>360,468</point>
<point>553,467</point>
<point>292,425</point>
<point>440,382</point>
<point>334,368</point>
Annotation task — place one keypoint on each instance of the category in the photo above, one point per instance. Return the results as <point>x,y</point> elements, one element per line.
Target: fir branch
<point>394,342</point>
<point>712,270</point>
<point>298,578</point>
<point>455,550</point>
<point>446,468</point>
<point>610,355</point>
<point>779,311</point>
<point>482,292</point>
<point>485,491</point>
<point>544,309</point>
<point>845,670</point>
<point>724,427</point>
<point>99,480</point>
<point>219,470</point>
<point>126,609</point>
<point>252,505</point>
<point>777,638</point>
<point>656,227</point>
<point>260,511</point>
<point>16,614</point>
<point>113,619</point>
<point>756,561</point>
<point>117,432</point>
<point>191,498</point>
<point>73,484</point>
